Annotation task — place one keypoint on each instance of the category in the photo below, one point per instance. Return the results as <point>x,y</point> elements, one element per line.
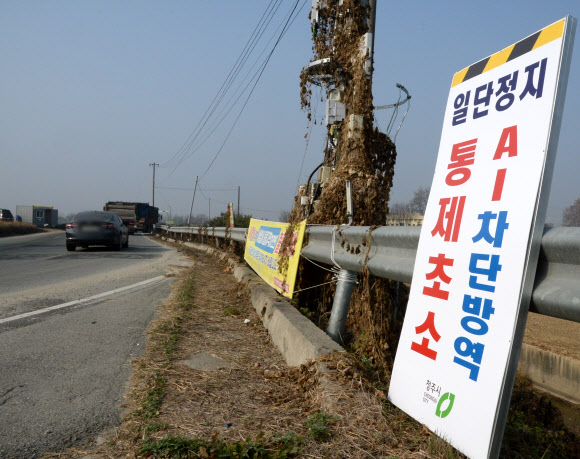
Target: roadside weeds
<point>18,229</point>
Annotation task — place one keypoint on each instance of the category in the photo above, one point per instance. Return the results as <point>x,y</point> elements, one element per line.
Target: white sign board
<point>460,324</point>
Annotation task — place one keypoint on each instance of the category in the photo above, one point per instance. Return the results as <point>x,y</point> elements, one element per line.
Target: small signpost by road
<point>480,240</point>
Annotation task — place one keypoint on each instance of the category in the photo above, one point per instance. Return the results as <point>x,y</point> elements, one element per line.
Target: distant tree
<point>571,215</point>
<point>241,221</point>
<point>418,204</point>
<point>179,220</point>
<point>399,208</point>
<point>284,216</point>
<point>198,220</point>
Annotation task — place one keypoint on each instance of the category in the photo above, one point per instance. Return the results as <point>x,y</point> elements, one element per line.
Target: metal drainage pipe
<point>341,304</point>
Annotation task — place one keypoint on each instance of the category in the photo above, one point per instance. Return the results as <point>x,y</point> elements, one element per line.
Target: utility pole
<point>209,209</point>
<point>154,165</point>
<point>353,129</point>
<point>192,201</point>
<point>238,201</point>
<point>334,86</point>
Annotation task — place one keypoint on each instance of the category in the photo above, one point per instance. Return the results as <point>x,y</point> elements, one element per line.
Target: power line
<point>309,134</point>
<point>222,189</point>
<point>216,123</point>
<point>244,208</point>
<point>172,188</point>
<point>189,151</point>
<point>250,45</point>
<point>203,194</point>
<point>232,70</point>
<point>263,210</point>
<point>289,22</point>
<point>191,189</point>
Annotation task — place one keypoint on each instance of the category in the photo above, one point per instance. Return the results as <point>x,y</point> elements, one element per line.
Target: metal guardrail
<point>393,249</point>
<point>235,234</point>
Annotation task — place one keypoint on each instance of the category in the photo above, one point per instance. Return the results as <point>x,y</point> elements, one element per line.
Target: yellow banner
<point>262,253</point>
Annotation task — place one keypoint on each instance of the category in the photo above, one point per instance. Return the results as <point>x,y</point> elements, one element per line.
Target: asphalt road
<point>36,270</point>
<point>63,372</point>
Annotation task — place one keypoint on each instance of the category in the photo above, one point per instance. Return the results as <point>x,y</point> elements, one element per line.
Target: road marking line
<point>84,300</point>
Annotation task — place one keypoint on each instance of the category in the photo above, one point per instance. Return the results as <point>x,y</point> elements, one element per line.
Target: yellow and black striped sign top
<point>540,38</point>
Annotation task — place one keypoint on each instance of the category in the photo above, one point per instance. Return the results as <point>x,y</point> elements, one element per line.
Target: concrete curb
<point>297,339</point>
<point>556,374</point>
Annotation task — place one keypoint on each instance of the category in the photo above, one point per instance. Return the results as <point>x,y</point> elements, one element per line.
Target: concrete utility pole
<point>154,165</point>
<point>238,201</point>
<point>335,113</point>
<point>192,201</point>
<point>333,86</point>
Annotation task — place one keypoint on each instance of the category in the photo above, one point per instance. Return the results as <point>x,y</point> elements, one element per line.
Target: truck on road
<point>137,216</point>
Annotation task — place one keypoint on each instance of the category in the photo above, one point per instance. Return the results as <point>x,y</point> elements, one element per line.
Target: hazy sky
<point>93,91</point>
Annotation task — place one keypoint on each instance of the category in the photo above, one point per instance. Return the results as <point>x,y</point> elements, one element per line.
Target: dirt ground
<point>551,334</point>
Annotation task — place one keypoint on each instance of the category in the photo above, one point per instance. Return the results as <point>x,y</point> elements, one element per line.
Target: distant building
<point>404,220</point>
<point>42,216</point>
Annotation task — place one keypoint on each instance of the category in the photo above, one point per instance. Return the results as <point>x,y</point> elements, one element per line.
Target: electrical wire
<point>259,30</point>
<point>291,18</point>
<point>240,61</point>
<point>190,148</point>
<point>226,203</point>
<point>263,210</point>
<point>309,134</point>
<point>172,188</point>
<point>221,116</point>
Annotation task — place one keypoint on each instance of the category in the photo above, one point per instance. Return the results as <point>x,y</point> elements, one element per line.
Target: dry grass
<point>18,228</point>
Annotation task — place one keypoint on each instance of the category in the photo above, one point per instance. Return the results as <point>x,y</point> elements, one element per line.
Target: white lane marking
<point>84,300</point>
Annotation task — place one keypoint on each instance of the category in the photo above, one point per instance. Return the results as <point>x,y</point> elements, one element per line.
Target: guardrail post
<point>341,304</point>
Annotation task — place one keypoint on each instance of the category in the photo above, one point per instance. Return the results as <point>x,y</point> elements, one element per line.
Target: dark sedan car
<point>96,228</point>
<point>6,216</point>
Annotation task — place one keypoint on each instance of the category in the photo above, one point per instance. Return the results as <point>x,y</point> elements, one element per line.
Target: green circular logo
<point>446,396</point>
